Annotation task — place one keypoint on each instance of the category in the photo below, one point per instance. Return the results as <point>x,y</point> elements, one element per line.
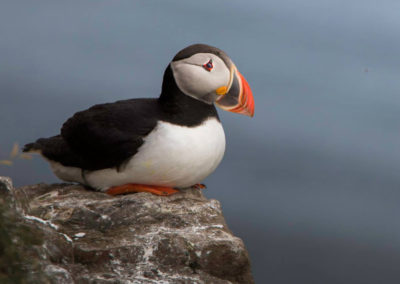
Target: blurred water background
<point>311,183</point>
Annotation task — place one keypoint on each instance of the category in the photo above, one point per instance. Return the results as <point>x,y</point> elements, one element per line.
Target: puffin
<point>156,145</point>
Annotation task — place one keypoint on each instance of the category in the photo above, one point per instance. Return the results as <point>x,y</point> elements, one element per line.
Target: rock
<point>20,242</point>
<point>83,236</point>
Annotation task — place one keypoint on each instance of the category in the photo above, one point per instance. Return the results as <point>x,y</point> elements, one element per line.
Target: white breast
<point>171,155</point>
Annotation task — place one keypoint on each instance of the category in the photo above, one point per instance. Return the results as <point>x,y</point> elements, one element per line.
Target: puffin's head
<point>207,74</point>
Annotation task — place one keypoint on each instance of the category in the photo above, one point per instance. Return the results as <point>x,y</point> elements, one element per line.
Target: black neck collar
<point>180,108</point>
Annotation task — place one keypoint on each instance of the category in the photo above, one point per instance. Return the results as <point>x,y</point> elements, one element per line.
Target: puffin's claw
<point>199,186</point>
<point>132,187</point>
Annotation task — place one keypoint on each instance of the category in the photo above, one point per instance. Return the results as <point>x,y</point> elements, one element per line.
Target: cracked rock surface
<point>91,237</point>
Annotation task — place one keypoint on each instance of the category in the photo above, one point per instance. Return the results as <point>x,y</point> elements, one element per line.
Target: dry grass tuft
<point>14,151</point>
<point>15,154</point>
<point>6,162</point>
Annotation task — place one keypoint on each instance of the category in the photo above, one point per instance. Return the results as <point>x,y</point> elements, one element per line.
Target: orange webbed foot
<point>132,187</point>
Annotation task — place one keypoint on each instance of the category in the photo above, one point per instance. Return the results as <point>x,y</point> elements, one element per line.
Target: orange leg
<point>199,186</point>
<point>132,187</point>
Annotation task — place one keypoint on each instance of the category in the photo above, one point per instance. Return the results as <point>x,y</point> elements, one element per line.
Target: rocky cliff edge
<point>64,233</point>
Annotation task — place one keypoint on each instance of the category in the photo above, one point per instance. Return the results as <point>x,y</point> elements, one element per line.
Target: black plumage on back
<point>108,134</point>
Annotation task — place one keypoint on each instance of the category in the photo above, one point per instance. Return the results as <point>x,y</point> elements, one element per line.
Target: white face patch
<point>196,81</point>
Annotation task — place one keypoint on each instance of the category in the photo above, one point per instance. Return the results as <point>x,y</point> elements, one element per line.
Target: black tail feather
<point>55,149</point>
<point>31,147</point>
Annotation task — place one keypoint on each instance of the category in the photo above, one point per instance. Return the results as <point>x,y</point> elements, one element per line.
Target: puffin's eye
<point>209,65</point>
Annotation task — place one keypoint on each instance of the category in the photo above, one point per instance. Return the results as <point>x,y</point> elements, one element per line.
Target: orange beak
<point>239,97</point>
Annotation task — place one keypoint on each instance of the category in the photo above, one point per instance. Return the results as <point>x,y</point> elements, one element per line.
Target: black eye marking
<point>209,65</point>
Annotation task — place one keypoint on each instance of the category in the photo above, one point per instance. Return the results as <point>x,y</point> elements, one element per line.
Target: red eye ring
<point>209,65</point>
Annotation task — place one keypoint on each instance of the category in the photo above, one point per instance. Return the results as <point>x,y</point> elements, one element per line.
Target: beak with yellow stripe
<point>238,97</point>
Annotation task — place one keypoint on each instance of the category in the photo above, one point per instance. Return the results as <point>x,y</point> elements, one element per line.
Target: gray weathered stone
<point>91,237</point>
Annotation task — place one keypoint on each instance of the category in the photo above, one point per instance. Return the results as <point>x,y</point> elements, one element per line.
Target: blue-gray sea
<point>311,183</point>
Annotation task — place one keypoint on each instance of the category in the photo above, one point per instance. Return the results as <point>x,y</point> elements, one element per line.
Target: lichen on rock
<point>91,237</point>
